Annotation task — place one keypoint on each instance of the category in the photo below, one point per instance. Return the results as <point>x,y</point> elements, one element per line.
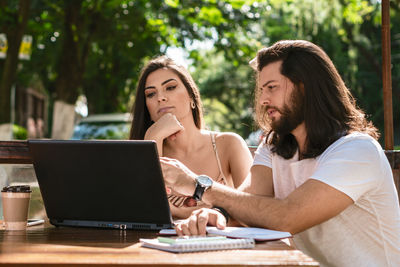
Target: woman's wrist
<point>149,135</point>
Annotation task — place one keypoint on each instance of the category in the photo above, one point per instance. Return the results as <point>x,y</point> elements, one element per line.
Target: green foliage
<point>172,3</point>
<point>227,91</point>
<point>19,132</point>
<point>116,38</point>
<point>348,31</point>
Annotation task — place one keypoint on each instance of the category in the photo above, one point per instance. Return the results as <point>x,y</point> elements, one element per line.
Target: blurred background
<point>68,68</point>
<point>61,60</point>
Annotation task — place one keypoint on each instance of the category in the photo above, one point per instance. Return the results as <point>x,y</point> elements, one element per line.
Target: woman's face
<point>165,93</point>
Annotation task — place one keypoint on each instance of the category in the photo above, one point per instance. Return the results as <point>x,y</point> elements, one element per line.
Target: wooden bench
<point>14,152</point>
<point>17,152</point>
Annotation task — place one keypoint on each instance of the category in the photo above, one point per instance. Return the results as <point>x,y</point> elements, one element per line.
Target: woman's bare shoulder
<point>228,139</point>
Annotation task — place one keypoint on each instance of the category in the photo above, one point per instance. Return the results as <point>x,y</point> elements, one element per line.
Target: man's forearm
<point>252,210</point>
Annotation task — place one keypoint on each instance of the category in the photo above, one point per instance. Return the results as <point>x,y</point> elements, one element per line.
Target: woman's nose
<point>161,97</point>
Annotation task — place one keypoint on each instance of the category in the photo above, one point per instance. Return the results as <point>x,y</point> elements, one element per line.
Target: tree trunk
<point>70,66</point>
<point>63,120</point>
<point>14,35</point>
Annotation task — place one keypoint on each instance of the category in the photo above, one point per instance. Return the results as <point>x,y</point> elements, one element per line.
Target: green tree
<point>227,92</point>
<point>350,33</point>
<point>97,47</point>
<point>13,19</point>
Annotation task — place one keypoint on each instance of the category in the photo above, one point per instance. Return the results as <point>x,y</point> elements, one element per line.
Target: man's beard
<point>291,117</point>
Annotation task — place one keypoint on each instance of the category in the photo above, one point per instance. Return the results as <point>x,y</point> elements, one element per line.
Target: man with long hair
<point>319,174</point>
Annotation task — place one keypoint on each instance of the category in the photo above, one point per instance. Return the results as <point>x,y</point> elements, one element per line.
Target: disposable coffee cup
<point>15,206</point>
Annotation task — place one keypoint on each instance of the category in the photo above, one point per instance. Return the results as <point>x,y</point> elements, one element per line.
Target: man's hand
<point>197,222</point>
<point>178,177</point>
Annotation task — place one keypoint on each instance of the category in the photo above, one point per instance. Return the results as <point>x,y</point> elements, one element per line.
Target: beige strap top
<point>179,201</point>
<point>221,177</point>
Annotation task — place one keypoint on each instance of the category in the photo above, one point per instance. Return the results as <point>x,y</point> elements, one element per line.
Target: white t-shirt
<point>367,233</point>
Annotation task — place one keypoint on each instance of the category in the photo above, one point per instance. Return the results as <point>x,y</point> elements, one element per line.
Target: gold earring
<point>192,105</point>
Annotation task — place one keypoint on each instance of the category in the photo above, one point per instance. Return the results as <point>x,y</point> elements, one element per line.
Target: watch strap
<point>201,187</point>
<point>198,192</point>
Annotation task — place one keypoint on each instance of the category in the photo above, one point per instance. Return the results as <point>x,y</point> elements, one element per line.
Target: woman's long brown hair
<point>141,116</point>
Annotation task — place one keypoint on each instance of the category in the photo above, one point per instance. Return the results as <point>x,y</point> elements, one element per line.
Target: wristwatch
<point>203,182</point>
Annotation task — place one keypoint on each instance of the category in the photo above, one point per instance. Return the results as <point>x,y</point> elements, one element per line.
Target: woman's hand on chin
<point>167,126</point>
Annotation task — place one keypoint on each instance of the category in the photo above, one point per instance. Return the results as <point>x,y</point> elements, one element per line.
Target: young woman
<point>168,110</point>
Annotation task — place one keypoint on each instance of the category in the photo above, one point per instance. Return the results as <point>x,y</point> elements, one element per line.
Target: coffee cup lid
<point>17,188</point>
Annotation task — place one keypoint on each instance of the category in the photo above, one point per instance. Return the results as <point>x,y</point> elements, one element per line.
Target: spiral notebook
<point>198,244</point>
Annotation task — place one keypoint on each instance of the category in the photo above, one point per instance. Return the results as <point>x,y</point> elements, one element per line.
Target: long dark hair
<point>141,116</point>
<point>329,110</point>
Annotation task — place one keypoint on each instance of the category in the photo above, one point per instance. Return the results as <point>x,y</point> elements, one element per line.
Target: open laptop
<point>110,184</point>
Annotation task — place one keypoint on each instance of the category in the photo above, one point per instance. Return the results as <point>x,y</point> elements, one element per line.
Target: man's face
<point>280,100</point>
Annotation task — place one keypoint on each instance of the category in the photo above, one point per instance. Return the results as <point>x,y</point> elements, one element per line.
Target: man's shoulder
<point>355,143</point>
<point>356,138</point>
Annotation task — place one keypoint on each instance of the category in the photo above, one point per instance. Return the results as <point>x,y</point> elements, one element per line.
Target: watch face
<point>204,180</point>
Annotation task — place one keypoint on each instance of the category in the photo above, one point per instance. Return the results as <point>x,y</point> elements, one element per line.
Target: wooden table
<point>62,246</point>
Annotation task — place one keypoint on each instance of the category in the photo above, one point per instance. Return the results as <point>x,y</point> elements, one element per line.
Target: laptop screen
<point>115,184</point>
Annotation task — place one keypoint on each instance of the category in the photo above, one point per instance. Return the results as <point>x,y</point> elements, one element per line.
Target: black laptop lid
<point>115,184</point>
